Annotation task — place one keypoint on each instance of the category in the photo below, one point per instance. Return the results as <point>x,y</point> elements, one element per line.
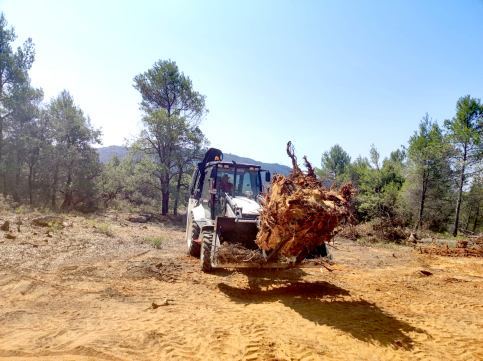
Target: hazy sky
<point>313,72</point>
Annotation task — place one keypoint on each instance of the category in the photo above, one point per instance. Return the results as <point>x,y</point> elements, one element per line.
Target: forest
<point>48,157</point>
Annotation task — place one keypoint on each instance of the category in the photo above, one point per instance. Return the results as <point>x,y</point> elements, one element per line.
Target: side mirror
<point>268,177</point>
<point>213,173</point>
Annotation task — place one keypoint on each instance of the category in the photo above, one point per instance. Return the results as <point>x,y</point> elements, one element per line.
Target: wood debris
<point>237,253</point>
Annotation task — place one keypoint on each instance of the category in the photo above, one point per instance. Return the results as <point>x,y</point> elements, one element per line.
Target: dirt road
<point>85,295</point>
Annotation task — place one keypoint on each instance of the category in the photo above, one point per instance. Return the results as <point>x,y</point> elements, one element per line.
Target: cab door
<point>207,196</point>
<point>194,190</point>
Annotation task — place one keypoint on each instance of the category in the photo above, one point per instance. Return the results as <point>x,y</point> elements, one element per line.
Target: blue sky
<point>314,72</point>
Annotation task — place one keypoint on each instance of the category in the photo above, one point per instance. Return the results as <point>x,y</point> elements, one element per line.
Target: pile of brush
<point>300,214</point>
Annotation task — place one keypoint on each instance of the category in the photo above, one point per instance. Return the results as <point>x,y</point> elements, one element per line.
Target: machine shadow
<point>326,304</point>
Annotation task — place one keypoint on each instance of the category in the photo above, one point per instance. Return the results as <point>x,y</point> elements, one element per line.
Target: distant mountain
<point>272,167</point>
<point>105,153</point>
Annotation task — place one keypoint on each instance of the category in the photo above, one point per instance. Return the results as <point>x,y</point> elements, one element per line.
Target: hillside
<point>272,167</point>
<point>105,153</point>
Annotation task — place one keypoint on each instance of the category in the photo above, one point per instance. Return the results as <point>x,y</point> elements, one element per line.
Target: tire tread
<point>206,245</point>
<point>195,248</point>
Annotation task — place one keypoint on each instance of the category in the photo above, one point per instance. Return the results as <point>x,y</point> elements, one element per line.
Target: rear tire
<point>320,251</point>
<point>206,245</point>
<point>194,248</point>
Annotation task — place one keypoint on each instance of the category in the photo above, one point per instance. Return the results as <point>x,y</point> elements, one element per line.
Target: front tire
<point>320,251</point>
<point>206,245</point>
<point>194,248</point>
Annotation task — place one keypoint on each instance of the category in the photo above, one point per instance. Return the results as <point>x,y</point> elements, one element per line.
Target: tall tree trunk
<point>476,217</point>
<point>164,202</point>
<point>54,185</point>
<point>176,200</point>
<point>468,220</point>
<point>31,183</point>
<point>67,200</point>
<point>1,151</point>
<point>1,134</point>
<point>165,194</point>
<point>16,186</point>
<point>68,191</point>
<point>423,198</point>
<point>4,186</point>
<point>460,191</point>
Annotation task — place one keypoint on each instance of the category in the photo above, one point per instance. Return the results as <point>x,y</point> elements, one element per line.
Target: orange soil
<point>83,295</point>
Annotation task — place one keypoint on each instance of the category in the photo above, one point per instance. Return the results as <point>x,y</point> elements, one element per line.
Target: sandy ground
<point>85,295</point>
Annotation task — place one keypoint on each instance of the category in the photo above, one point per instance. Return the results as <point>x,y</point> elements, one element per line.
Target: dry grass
<point>155,242</point>
<point>86,237</point>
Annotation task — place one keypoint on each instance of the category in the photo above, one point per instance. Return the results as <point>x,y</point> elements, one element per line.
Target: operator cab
<point>235,180</point>
<point>214,178</point>
<point>247,182</point>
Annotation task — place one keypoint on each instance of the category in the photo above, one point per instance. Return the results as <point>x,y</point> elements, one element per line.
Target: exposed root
<point>300,213</point>
<point>291,154</point>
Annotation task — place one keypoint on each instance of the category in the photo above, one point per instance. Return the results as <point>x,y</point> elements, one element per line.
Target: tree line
<point>48,156</point>
<point>434,183</point>
<point>47,148</point>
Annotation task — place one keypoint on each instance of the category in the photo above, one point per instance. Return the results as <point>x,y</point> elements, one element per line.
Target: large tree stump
<point>300,213</point>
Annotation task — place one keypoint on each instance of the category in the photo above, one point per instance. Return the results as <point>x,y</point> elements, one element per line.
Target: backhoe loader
<point>225,199</point>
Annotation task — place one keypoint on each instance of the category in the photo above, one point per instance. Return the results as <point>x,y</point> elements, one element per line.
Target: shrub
<point>155,242</point>
<point>104,228</point>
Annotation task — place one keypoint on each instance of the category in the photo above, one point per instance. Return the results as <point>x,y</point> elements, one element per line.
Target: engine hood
<point>249,206</point>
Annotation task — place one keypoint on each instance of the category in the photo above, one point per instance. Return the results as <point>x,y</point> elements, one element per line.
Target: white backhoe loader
<point>225,199</point>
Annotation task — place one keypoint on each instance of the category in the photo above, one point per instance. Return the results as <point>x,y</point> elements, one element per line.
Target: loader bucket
<point>242,232</point>
<point>232,231</point>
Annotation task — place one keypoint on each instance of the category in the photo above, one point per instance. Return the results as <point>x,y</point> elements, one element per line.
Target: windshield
<point>248,180</point>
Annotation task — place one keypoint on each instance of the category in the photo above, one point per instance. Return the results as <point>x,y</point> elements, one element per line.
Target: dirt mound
<point>453,252</point>
<point>300,213</point>
<point>461,243</point>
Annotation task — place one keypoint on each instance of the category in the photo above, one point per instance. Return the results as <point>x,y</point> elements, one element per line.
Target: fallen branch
<point>327,268</point>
